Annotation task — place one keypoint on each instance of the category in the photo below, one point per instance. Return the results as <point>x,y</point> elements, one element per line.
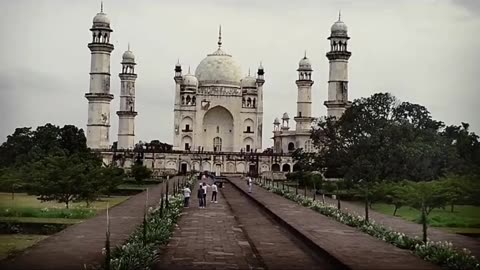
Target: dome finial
<point>248,71</point>
<point>305,55</point>
<point>340,15</point>
<point>188,69</point>
<point>128,46</point>
<point>219,36</point>
<point>101,6</point>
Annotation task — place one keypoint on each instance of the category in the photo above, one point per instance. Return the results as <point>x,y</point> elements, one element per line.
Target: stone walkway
<point>80,246</point>
<point>353,248</point>
<point>407,227</point>
<point>208,238</point>
<point>277,247</point>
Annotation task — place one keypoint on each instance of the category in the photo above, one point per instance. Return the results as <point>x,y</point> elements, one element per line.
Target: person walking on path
<point>250,184</point>
<point>214,192</point>
<point>186,194</point>
<point>204,187</point>
<point>200,194</point>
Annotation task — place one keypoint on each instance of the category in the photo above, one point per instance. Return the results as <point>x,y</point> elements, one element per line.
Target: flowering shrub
<point>139,254</point>
<point>440,253</point>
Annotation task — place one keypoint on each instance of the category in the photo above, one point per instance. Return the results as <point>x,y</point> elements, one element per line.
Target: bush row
<point>440,253</point>
<point>140,251</point>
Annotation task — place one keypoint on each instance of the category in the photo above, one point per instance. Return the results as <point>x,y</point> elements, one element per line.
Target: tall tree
<point>379,138</point>
<point>17,146</point>
<point>467,147</point>
<point>64,178</point>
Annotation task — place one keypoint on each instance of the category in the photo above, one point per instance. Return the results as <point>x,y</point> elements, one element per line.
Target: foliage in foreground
<point>440,253</point>
<point>139,254</point>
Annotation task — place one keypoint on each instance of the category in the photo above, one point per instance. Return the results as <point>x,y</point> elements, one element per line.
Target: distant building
<point>218,113</point>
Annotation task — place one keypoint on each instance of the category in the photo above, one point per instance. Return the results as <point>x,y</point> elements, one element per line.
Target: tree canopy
<point>380,138</point>
<point>26,145</point>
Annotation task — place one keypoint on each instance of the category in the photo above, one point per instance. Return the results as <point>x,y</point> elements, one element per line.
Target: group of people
<point>202,192</point>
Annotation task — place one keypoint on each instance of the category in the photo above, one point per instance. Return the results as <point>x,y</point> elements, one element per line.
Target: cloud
<point>472,6</point>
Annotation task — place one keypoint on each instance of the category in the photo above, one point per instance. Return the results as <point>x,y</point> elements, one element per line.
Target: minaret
<point>337,101</point>
<point>177,110</point>
<point>99,96</point>
<point>260,82</point>
<point>304,99</point>
<point>127,113</point>
<point>285,120</point>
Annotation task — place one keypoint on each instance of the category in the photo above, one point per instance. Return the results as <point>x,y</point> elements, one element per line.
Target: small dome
<point>128,56</point>
<point>276,121</point>
<point>339,28</point>
<point>248,81</point>
<point>190,80</point>
<point>101,18</point>
<point>285,116</point>
<point>305,64</point>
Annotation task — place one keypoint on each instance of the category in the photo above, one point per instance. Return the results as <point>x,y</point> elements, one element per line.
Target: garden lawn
<point>463,216</point>
<point>15,242</point>
<point>25,200</point>
<point>24,205</point>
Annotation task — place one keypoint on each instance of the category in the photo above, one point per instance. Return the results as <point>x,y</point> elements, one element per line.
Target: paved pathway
<point>407,227</point>
<point>208,238</point>
<point>276,246</point>
<point>355,249</point>
<point>80,246</point>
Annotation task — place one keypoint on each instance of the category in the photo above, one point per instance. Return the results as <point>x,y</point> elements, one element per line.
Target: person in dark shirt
<point>200,196</point>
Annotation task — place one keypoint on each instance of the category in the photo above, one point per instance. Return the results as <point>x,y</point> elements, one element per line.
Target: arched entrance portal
<point>286,167</point>
<point>218,130</point>
<point>276,167</point>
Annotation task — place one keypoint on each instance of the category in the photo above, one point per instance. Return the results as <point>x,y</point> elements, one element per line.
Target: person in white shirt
<point>214,193</point>
<point>204,194</point>
<point>250,184</point>
<point>186,194</point>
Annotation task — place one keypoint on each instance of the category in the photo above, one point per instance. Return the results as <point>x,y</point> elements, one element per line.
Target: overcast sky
<point>422,51</point>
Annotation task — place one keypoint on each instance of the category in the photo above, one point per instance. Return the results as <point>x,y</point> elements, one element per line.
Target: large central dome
<point>218,68</point>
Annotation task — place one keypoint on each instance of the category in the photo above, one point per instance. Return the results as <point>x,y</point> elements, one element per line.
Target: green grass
<point>463,216</point>
<point>24,205</point>
<point>15,242</point>
<point>475,231</point>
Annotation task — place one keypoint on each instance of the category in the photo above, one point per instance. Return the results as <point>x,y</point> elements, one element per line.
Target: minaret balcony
<point>303,119</point>
<point>99,96</point>
<point>127,113</point>
<point>337,104</point>
<point>304,82</point>
<point>103,47</point>
<point>334,55</point>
